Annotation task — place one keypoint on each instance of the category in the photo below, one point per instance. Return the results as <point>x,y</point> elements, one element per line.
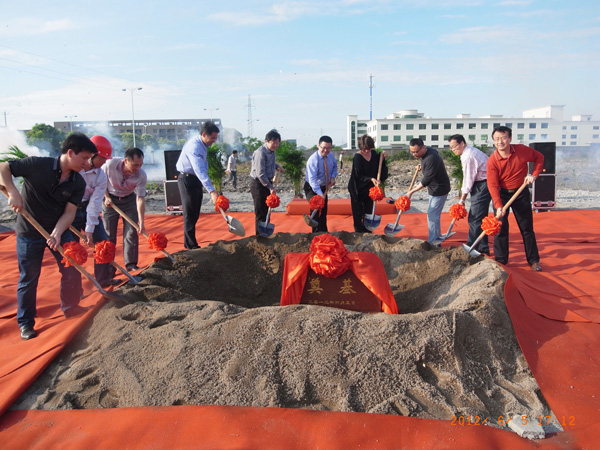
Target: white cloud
<point>32,26</point>
<point>283,12</point>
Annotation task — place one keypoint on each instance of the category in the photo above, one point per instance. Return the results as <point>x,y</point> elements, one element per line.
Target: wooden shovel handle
<point>326,177</point>
<point>381,158</point>
<point>515,195</point>
<point>414,178</point>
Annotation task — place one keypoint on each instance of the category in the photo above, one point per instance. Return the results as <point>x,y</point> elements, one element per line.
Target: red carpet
<point>555,315</point>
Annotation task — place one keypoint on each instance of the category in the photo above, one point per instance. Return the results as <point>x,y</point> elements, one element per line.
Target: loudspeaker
<point>171,157</point>
<point>544,192</point>
<point>548,149</point>
<point>172,197</point>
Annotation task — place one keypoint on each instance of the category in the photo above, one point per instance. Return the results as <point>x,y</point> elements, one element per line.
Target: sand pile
<point>208,330</point>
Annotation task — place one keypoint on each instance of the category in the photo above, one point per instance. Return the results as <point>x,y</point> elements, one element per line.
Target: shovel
<point>235,226</point>
<point>393,229</point>
<point>371,220</point>
<point>265,229</point>
<point>471,250</point>
<point>135,225</point>
<point>443,237</point>
<point>84,272</point>
<point>310,220</point>
<point>132,278</point>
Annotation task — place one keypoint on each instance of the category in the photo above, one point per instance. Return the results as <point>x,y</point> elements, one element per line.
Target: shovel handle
<point>136,226</point>
<point>414,178</point>
<point>224,215</point>
<point>381,158</point>
<point>514,197</point>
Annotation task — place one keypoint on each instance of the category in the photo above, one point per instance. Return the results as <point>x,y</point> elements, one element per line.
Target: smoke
<point>10,137</point>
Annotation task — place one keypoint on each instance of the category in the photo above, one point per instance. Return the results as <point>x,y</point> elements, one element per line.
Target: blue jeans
<point>101,271</point>
<point>30,253</point>
<point>434,214</point>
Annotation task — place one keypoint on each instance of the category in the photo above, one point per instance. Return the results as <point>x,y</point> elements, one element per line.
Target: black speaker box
<point>172,197</point>
<point>544,192</point>
<point>171,157</point>
<point>548,149</point>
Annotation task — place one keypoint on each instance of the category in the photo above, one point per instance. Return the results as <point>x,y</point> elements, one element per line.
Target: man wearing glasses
<point>321,170</point>
<point>435,179</point>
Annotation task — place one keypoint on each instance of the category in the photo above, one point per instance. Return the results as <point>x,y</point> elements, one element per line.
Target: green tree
<point>456,172</point>
<point>147,140</point>
<point>126,140</point>
<point>251,144</point>
<point>46,137</point>
<point>13,153</point>
<point>293,161</point>
<point>216,171</point>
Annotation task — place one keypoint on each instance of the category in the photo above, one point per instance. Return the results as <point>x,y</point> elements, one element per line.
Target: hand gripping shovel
<point>265,229</point>
<point>471,250</point>
<point>132,278</point>
<point>84,272</point>
<point>371,220</point>
<point>135,225</point>
<point>235,226</point>
<point>310,220</point>
<point>391,229</point>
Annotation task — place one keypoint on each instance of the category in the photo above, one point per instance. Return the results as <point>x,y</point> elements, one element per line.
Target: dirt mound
<point>208,330</point>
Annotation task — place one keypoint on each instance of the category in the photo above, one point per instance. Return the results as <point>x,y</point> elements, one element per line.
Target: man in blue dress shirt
<point>193,174</point>
<point>318,180</point>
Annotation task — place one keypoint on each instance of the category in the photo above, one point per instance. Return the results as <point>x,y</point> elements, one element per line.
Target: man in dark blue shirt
<point>52,189</point>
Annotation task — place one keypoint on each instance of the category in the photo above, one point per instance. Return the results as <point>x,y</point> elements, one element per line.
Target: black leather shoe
<point>27,332</point>
<point>132,268</point>
<point>74,311</point>
<point>536,266</point>
<point>109,283</point>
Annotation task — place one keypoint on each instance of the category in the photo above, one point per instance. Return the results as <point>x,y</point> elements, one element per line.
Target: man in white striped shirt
<point>474,165</point>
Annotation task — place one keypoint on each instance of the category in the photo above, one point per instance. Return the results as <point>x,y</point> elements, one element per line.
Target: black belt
<point>184,174</point>
<point>480,181</point>
<point>114,197</point>
<point>508,191</point>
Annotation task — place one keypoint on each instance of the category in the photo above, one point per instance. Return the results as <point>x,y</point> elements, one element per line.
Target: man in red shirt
<point>507,170</point>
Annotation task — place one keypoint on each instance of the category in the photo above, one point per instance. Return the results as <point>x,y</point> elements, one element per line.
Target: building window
<point>508,124</point>
<point>384,138</point>
<point>532,137</point>
<point>422,126</point>
<point>472,137</point>
<point>544,124</point>
<point>496,125</point>
<point>397,138</point>
<point>484,126</point>
<point>532,125</point>
<point>595,136</point>
<point>564,143</point>
<point>360,124</point>
<point>573,136</point>
<point>409,137</point>
<point>397,126</point>
<point>544,136</point>
<point>423,137</point>
<point>410,126</point>
<point>472,126</point>
<point>447,126</point>
<point>435,126</point>
<point>573,143</point>
<point>435,137</point>
<point>520,126</point>
<point>596,127</point>
<point>573,127</point>
<point>484,137</point>
<point>460,126</point>
<point>384,126</point>
<point>520,137</point>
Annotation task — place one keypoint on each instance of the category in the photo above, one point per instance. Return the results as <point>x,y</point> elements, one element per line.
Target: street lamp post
<point>132,90</point>
<point>70,122</point>
<point>211,112</point>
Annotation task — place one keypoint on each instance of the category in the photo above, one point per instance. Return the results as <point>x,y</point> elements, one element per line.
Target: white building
<point>544,124</point>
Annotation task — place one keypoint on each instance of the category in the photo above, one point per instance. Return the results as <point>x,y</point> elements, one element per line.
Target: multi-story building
<point>171,129</point>
<point>544,124</point>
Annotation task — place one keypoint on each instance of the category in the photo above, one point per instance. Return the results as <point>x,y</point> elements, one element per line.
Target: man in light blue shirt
<point>193,175</point>
<point>319,180</point>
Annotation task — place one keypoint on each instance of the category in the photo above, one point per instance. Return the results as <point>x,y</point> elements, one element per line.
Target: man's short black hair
<point>416,142</point>
<point>502,129</point>
<point>234,152</point>
<point>459,138</point>
<point>130,153</point>
<point>209,128</point>
<point>272,135</point>
<point>78,142</point>
<point>326,139</point>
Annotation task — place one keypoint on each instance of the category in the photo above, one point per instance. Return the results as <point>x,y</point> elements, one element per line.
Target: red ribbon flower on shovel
<point>328,256</point>
<point>402,203</point>
<point>222,202</point>
<point>458,211</point>
<point>316,202</point>
<point>273,201</point>
<point>76,252</point>
<point>376,193</point>
<point>157,241</point>
<point>104,252</point>
<point>491,225</point>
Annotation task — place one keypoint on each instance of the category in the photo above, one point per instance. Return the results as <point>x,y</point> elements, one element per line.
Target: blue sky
<point>304,63</point>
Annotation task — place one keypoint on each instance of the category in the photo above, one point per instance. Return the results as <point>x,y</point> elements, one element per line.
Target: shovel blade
<point>310,221</point>
<point>265,229</point>
<point>235,226</point>
<point>391,230</point>
<point>471,251</point>
<point>443,237</point>
<point>372,221</point>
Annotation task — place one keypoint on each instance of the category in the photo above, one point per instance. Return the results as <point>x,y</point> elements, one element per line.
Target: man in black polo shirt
<point>52,189</point>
